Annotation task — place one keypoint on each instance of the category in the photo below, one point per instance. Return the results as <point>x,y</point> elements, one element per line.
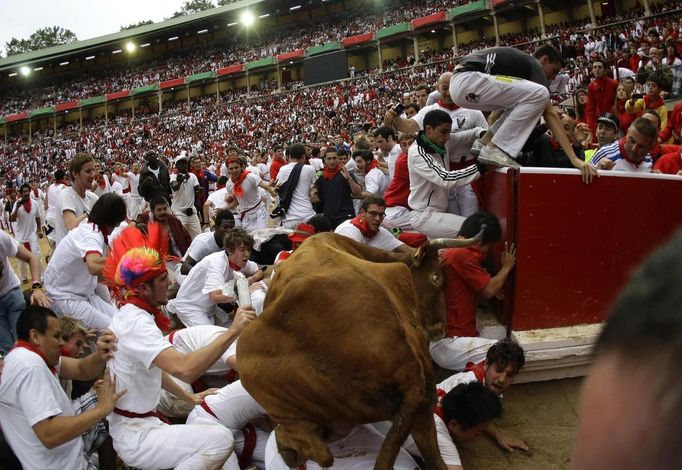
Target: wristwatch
<point>37,285</point>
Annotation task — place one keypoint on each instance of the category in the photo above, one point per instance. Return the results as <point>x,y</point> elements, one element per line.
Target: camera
<point>399,109</point>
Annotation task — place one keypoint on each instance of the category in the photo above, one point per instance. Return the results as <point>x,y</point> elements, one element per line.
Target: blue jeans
<point>11,306</point>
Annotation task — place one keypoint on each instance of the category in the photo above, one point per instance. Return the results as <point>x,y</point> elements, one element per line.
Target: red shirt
<point>601,94</point>
<point>464,279</point>
<point>399,188</point>
<point>669,164</point>
<point>275,165</point>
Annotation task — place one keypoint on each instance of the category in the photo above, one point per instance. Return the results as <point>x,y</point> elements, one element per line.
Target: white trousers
<point>201,416</point>
<point>462,201</point>
<point>397,216</point>
<point>525,102</point>
<point>149,443</point>
<point>436,224</point>
<point>92,311</point>
<point>191,222</point>
<point>35,249</point>
<point>454,353</point>
<point>255,219</point>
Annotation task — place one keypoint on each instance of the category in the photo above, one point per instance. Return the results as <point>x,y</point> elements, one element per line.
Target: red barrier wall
<point>577,243</point>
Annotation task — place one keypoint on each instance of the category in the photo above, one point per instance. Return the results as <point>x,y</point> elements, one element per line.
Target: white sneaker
<point>497,157</point>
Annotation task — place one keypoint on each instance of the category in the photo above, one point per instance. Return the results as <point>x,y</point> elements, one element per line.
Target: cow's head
<point>427,278</point>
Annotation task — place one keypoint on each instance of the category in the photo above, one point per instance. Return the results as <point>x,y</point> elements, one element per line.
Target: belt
<point>148,414</point>
<point>208,409</point>
<point>242,214</point>
<point>249,438</point>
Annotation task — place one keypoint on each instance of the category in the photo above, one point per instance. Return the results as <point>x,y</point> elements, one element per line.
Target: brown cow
<point>342,341</point>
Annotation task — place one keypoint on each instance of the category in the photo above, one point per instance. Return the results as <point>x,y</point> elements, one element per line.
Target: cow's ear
<point>418,256</point>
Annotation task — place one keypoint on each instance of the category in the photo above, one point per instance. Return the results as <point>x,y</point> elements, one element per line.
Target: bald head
<point>444,87</point>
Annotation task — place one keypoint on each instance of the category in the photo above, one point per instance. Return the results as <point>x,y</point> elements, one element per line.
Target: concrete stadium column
<point>54,123</point>
<point>455,46</point>
<point>541,14</point>
<point>381,58</point>
<point>593,18</point>
<point>189,104</point>
<point>30,131</point>
<point>217,91</point>
<point>160,99</point>
<point>647,10</point>
<point>279,77</point>
<point>80,119</point>
<point>106,114</point>
<point>497,29</point>
<point>248,83</point>
<point>132,106</point>
<point>5,129</point>
<point>415,42</point>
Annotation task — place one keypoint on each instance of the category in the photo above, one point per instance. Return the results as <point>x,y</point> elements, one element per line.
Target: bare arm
<point>93,365</point>
<point>189,367</point>
<point>187,265</point>
<point>71,221</point>
<point>218,297</point>
<point>391,118</point>
<point>498,280</point>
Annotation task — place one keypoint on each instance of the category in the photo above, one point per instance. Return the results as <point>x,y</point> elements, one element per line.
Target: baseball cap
<point>609,118</point>
<point>182,156</point>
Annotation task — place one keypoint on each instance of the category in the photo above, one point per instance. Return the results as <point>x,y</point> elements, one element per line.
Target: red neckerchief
<point>238,190</point>
<point>234,266</point>
<point>329,174</point>
<point>449,106</point>
<point>35,192</point>
<point>649,104</point>
<point>372,165</point>
<point>200,176</point>
<point>624,154</point>
<point>27,205</point>
<point>477,369</point>
<point>102,183</point>
<point>438,409</point>
<point>20,343</point>
<point>64,352</point>
<point>554,144</point>
<point>162,321</point>
<point>361,224</point>
<point>671,60</point>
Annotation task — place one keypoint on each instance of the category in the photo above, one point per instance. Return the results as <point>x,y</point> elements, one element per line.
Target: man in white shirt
<point>12,301</point>
<point>26,214</point>
<point>185,185</point>
<point>38,419</point>
<point>389,148</point>
<point>72,273</point>
<point>75,202</point>
<point>243,191</point>
<point>217,200</point>
<point>53,191</point>
<point>375,180</point>
<point>300,209</point>
<point>366,227</point>
<point>201,294</point>
<point>145,360</point>
<point>207,243</point>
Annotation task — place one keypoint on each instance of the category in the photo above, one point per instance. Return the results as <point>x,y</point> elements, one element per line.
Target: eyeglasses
<point>381,215</point>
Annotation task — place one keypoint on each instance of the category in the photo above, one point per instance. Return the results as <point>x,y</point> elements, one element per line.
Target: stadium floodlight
<point>130,47</point>
<point>117,51</point>
<point>174,38</point>
<point>231,24</point>
<point>295,8</point>
<point>247,18</point>
<point>90,57</point>
<point>25,71</point>
<point>146,44</point>
<point>265,15</point>
<point>13,74</point>
<point>202,31</point>
<point>64,63</point>
<point>37,69</point>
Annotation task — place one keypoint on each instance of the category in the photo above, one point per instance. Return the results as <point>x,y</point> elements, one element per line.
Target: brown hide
<point>342,341</point>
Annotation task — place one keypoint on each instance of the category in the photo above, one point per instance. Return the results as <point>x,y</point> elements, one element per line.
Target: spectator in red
<point>278,161</point>
<point>601,94</point>
<point>669,164</point>
<point>623,94</point>
<point>672,133</point>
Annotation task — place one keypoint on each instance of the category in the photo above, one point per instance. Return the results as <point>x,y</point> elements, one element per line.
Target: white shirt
<point>208,275</point>
<point>463,119</point>
<point>316,163</point>
<point>67,275</point>
<point>217,198</point>
<point>193,338</point>
<point>251,196</point>
<point>117,188</point>
<point>234,407</point>
<point>392,157</point>
<point>384,240</point>
<point>376,182</point>
<point>69,200</point>
<point>139,342</point>
<point>183,198</point>
<point>203,245</point>
<point>52,197</point>
<point>29,394</point>
<point>26,225</point>
<point>99,190</point>
<point>133,182</point>
<point>8,248</point>
<point>300,208</point>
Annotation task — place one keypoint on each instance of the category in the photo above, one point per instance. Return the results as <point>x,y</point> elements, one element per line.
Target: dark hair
<point>151,155</point>
<point>645,127</point>
<point>315,153</point>
<point>156,200</point>
<point>365,154</point>
<point>33,318</point>
<point>59,175</point>
<point>552,54</point>
<point>320,222</point>
<point>222,181</point>
<point>340,152</point>
<point>436,117</point>
<point>422,86</point>
<point>415,106</point>
<point>661,78</point>
<point>471,404</point>
<point>369,200</point>
<point>223,214</point>
<point>472,225</point>
<point>25,185</point>
<point>330,150</point>
<point>235,237</point>
<point>506,351</point>
<point>385,132</point>
<point>296,151</point>
<point>109,210</point>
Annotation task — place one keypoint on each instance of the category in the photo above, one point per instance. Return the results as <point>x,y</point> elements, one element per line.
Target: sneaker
<point>497,157</point>
<point>476,147</point>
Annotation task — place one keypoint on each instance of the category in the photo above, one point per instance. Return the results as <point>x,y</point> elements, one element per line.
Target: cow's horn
<point>439,243</point>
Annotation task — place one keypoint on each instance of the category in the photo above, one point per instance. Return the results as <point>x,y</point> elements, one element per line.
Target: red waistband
<point>208,409</point>
<point>242,214</point>
<point>148,414</point>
